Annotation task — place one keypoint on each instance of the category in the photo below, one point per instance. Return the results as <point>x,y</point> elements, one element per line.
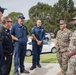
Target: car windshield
<point>45,42</point>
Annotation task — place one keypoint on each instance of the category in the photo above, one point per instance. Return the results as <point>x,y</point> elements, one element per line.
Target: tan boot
<point>61,73</point>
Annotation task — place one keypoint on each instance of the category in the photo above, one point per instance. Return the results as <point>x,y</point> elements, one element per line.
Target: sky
<point>23,6</point>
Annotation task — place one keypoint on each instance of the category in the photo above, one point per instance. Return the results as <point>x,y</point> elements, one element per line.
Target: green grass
<point>12,69</point>
<point>45,58</point>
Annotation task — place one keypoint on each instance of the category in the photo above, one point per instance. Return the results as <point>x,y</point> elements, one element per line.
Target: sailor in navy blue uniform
<point>38,35</point>
<point>19,35</point>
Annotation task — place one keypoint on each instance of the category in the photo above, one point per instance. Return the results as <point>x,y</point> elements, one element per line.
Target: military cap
<point>2,9</point>
<point>21,17</point>
<point>62,22</point>
<point>74,18</point>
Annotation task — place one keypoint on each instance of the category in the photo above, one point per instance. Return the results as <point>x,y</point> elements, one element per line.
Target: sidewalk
<point>47,69</point>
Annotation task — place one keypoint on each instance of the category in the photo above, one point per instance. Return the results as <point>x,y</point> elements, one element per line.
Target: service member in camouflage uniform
<point>62,43</point>
<point>72,51</point>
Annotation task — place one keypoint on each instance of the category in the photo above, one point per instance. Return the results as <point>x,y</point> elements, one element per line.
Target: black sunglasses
<point>9,21</point>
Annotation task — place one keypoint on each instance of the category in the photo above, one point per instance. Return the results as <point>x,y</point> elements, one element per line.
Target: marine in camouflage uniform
<point>63,40</point>
<point>72,46</point>
<point>71,49</point>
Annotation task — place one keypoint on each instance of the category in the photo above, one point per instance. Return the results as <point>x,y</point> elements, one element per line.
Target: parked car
<point>48,47</point>
<point>52,35</point>
<point>30,38</point>
<point>47,36</point>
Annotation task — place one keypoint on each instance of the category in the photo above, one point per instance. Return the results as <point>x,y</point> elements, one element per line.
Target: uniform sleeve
<point>33,30</point>
<point>70,34</point>
<point>43,35</point>
<point>27,30</point>
<point>12,31</point>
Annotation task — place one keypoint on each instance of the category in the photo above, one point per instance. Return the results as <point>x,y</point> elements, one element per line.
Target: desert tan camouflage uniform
<point>73,58</point>
<point>62,47</point>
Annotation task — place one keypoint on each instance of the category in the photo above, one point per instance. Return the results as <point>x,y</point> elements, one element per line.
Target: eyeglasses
<point>61,24</point>
<point>9,21</point>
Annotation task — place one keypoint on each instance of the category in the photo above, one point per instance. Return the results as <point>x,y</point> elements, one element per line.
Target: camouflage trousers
<point>63,61</point>
<point>72,66</point>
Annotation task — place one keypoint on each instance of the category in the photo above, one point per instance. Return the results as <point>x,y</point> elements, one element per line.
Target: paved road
<point>47,69</point>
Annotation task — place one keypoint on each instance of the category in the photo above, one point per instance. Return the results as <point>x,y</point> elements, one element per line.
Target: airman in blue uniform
<point>19,35</point>
<point>38,35</point>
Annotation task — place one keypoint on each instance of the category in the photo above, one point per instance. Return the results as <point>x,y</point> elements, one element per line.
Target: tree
<point>50,16</point>
<point>14,15</point>
<point>41,11</point>
<point>63,9</point>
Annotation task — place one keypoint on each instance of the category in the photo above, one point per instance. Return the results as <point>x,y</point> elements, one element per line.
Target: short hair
<point>5,19</point>
<point>38,20</point>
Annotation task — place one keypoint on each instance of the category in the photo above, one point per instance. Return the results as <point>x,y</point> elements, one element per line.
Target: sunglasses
<point>9,21</point>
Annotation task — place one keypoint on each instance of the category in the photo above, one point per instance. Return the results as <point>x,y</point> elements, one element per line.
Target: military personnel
<point>38,35</point>
<point>1,14</point>
<point>19,34</point>
<point>72,51</point>
<point>62,43</point>
<point>7,46</point>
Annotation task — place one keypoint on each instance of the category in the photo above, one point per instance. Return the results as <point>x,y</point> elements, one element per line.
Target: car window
<point>30,43</point>
<point>45,43</point>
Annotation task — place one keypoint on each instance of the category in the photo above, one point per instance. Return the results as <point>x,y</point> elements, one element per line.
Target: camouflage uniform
<point>73,58</point>
<point>62,47</point>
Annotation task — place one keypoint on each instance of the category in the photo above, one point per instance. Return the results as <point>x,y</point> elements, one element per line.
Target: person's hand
<point>5,58</point>
<point>56,46</point>
<point>68,55</point>
<point>16,39</point>
<point>39,42</point>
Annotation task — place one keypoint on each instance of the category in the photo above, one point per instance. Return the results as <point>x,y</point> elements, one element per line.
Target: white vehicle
<point>52,35</point>
<point>47,36</point>
<point>30,38</point>
<point>48,47</point>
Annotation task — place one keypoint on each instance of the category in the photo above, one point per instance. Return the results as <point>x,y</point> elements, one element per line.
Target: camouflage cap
<point>62,22</point>
<point>74,18</point>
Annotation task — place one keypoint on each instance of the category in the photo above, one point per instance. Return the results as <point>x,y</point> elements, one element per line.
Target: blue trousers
<point>36,49</point>
<point>19,55</point>
<point>1,57</point>
<point>6,65</point>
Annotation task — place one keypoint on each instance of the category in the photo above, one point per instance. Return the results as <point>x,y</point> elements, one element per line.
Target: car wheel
<point>28,53</point>
<point>53,50</point>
